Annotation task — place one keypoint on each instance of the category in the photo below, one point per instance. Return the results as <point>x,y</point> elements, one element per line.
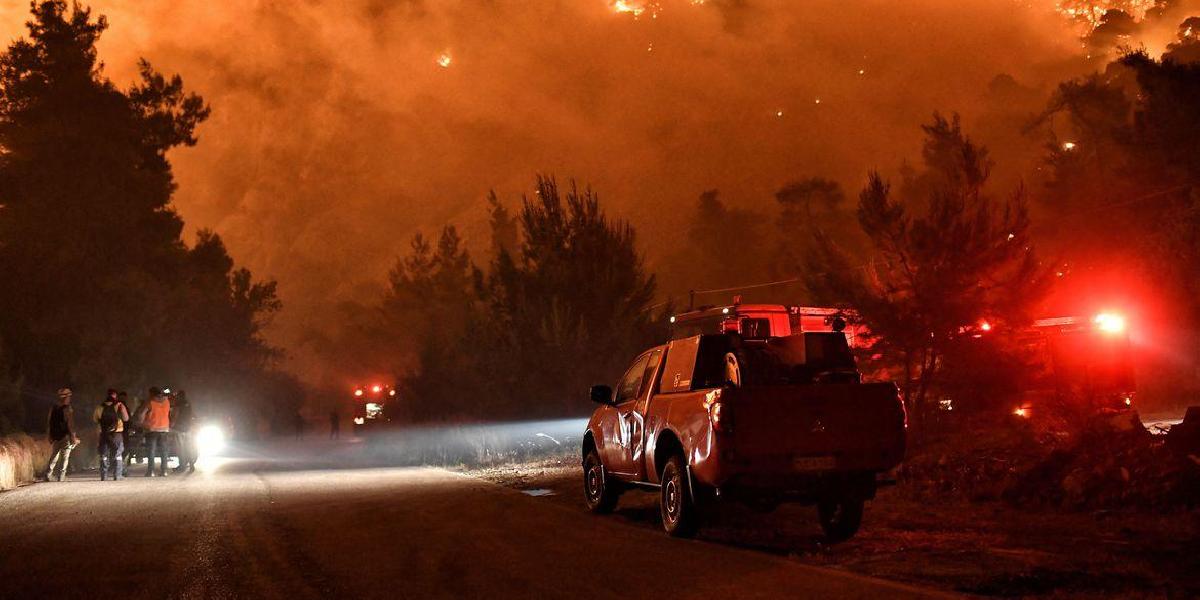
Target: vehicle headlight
<point>210,440</point>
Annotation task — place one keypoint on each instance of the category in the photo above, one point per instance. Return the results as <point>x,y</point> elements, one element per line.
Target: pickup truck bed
<point>780,432</point>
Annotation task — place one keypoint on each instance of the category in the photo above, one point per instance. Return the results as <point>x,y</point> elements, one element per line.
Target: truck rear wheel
<point>600,492</point>
<point>679,511</point>
<point>840,518</point>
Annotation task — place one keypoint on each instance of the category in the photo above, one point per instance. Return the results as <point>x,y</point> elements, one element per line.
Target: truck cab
<point>715,417</point>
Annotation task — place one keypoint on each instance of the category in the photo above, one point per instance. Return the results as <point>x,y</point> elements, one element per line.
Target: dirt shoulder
<point>985,548</point>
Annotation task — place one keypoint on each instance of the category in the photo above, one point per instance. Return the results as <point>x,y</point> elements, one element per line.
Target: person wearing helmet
<point>156,422</point>
<point>62,436</point>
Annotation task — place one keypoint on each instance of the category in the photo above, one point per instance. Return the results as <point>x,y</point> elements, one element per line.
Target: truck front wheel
<point>840,517</point>
<point>600,492</point>
<point>679,512</point>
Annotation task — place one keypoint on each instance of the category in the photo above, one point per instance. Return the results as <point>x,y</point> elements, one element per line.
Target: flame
<point>444,60</point>
<point>632,7</point>
<point>1091,12</point>
<point>639,7</point>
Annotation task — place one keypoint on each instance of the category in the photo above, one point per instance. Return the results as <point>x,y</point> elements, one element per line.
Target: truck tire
<point>680,516</point>
<point>600,492</point>
<point>840,518</point>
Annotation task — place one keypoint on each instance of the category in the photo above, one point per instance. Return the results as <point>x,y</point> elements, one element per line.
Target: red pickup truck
<point>720,417</point>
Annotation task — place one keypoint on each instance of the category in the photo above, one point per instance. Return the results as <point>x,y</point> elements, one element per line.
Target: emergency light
<point>1109,322</point>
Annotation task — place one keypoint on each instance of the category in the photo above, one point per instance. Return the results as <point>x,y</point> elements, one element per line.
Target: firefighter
<point>62,436</point>
<point>156,424</point>
<point>111,417</point>
<point>182,421</point>
<point>127,428</point>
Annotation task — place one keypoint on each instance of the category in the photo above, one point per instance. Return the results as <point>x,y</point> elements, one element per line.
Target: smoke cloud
<point>341,128</point>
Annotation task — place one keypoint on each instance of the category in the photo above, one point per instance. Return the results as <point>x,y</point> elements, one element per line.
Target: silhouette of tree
<point>572,305</point>
<point>1125,181</point>
<point>938,268</point>
<point>1186,47</point>
<point>811,208</point>
<point>101,288</point>
<point>564,305</point>
<point>504,228</point>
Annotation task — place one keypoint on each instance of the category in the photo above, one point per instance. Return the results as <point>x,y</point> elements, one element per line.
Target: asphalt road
<point>258,529</point>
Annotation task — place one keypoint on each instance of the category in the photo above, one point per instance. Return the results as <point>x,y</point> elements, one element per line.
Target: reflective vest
<point>158,416</point>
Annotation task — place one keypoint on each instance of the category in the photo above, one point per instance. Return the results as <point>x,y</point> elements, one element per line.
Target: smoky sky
<point>342,127</point>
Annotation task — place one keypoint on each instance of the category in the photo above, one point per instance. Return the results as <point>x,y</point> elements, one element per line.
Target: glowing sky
<point>340,128</point>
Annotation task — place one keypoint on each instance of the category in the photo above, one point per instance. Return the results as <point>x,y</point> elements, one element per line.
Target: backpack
<point>58,422</point>
<point>109,418</point>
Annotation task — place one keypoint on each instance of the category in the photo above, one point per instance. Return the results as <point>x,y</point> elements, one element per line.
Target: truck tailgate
<point>812,428</point>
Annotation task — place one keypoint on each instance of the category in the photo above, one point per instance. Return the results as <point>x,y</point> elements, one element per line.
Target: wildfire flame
<point>1091,12</point>
<point>632,7</point>
<point>639,7</point>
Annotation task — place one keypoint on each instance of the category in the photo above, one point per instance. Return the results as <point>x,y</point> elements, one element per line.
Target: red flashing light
<point>1022,412</point>
<point>358,392</point>
<point>1109,322</point>
<point>985,326</point>
<point>376,388</point>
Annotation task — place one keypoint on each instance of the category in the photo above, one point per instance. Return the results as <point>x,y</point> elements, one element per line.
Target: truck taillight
<point>718,413</point>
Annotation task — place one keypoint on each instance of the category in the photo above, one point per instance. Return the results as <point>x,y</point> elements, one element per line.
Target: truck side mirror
<point>601,394</point>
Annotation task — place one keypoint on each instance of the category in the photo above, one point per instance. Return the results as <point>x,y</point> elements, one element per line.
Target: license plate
<point>814,463</point>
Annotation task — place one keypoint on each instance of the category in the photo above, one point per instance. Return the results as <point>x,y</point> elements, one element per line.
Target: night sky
<point>339,129</point>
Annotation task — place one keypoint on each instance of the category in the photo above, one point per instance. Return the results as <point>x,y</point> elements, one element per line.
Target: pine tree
<point>941,263</point>
<point>101,289</point>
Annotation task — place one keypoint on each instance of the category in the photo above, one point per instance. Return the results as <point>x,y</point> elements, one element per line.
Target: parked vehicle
<point>370,408</point>
<point>718,417</point>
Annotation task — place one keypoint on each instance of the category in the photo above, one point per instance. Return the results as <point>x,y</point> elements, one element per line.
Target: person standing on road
<point>62,436</point>
<point>182,420</point>
<point>335,426</point>
<point>156,424</point>
<point>111,416</point>
<point>126,428</point>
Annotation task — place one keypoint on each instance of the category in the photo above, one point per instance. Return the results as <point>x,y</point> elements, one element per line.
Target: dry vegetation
<point>21,457</point>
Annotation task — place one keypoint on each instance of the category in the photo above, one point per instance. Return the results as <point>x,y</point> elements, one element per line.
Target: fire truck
<point>1084,362</point>
<point>370,407</point>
